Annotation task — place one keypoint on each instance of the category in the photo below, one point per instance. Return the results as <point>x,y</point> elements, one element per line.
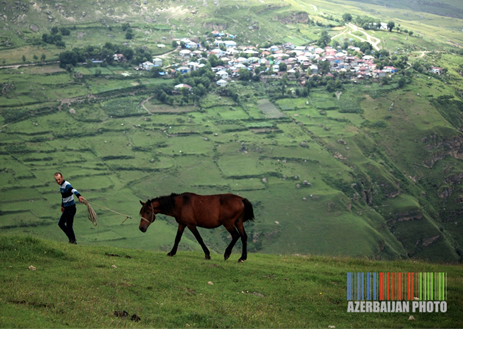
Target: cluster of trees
<point>54,37</point>
<point>367,22</point>
<point>105,54</point>
<point>200,80</point>
<point>129,32</point>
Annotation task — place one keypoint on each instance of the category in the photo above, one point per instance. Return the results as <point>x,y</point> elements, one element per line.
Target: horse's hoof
<point>241,260</point>
<point>226,257</point>
<point>207,257</point>
<point>170,254</point>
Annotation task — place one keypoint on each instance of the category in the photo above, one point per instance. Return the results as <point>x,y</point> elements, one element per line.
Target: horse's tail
<point>248,211</point>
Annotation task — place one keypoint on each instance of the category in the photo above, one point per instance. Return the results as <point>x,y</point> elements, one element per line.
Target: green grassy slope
<point>91,287</point>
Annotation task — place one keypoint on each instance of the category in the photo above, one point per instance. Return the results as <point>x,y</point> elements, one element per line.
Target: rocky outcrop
<point>441,148</point>
<point>215,26</point>
<point>454,179</point>
<point>293,18</point>
<point>409,216</point>
<point>445,192</point>
<point>427,241</point>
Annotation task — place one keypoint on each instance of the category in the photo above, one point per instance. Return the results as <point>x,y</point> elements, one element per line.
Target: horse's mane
<point>166,203</point>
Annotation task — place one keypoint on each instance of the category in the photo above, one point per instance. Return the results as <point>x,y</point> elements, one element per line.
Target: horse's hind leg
<point>200,240</point>
<point>177,240</point>
<point>235,237</point>
<point>243,236</point>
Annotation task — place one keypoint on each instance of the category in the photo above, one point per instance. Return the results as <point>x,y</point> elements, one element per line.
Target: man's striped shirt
<point>67,192</point>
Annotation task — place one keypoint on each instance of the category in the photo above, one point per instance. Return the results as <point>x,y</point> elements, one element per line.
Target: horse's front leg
<point>180,229</point>
<point>200,241</point>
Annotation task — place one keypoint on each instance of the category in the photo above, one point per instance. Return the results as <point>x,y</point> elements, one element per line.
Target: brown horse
<point>192,210</point>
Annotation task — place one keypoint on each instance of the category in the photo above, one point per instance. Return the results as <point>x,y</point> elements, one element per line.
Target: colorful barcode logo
<point>397,286</point>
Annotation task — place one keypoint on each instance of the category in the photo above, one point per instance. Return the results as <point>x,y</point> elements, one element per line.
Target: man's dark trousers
<point>66,222</point>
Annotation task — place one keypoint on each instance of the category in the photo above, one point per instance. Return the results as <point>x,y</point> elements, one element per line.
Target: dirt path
<point>370,38</point>
<point>350,28</point>
<point>143,104</point>
<point>16,66</point>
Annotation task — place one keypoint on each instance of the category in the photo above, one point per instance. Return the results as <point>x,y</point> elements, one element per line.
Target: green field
<point>47,284</point>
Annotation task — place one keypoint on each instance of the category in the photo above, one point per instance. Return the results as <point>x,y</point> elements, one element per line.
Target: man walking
<point>68,207</point>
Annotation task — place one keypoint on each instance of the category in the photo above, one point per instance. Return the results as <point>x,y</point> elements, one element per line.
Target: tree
<point>68,57</point>
<point>324,39</point>
<point>347,17</point>
<point>325,67</point>
<point>331,85</point>
<point>390,25</point>
<point>244,74</point>
<point>43,57</point>
<point>127,53</point>
<point>366,47</point>
<point>417,66</point>
<point>402,82</point>
<point>24,59</point>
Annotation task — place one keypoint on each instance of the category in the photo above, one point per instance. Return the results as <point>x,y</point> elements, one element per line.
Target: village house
<point>196,53</point>
<point>217,52</point>
<point>193,66</point>
<point>146,65</point>
<point>118,57</point>
<point>222,74</point>
<point>185,53</point>
<point>157,61</point>
<point>230,44</point>
<point>436,70</point>
<point>182,86</point>
<point>390,69</point>
<point>184,70</point>
<point>221,82</point>
<point>379,73</point>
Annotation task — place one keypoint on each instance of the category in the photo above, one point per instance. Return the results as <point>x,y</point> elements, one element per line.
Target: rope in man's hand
<point>92,216</point>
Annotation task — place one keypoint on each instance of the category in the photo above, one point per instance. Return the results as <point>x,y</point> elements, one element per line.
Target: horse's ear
<point>142,203</point>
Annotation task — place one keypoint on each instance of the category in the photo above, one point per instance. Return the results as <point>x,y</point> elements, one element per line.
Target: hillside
<point>336,163</point>
<point>53,285</point>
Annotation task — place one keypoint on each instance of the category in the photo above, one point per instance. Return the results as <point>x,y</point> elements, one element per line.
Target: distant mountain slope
<point>447,8</point>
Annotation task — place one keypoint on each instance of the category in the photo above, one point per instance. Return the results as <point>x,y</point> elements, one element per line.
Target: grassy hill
<point>48,284</point>
<point>374,172</point>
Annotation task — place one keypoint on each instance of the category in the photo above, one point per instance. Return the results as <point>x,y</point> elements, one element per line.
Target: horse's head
<point>147,215</point>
